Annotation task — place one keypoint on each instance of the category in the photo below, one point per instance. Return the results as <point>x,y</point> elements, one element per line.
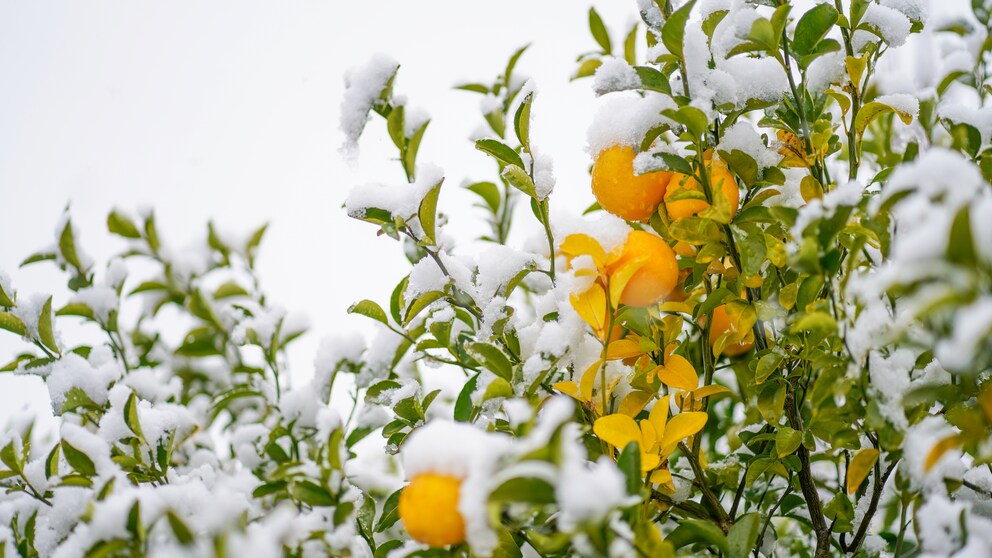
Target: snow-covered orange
<point>623,193</point>
<point>658,275</point>
<point>429,510</point>
<point>718,175</point>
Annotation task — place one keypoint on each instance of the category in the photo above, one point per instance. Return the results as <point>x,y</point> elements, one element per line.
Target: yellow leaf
<point>568,388</point>
<point>676,307</point>
<point>659,416</point>
<point>709,390</point>
<point>857,470</point>
<point>583,244</point>
<point>623,348</point>
<point>662,476</point>
<point>588,380</point>
<point>591,307</point>
<point>621,276</point>
<point>649,438</point>
<point>634,402</point>
<point>681,427</point>
<point>617,430</point>
<point>939,449</point>
<point>679,373</point>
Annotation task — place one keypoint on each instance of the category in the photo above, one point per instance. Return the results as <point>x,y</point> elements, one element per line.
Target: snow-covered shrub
<point>789,355</point>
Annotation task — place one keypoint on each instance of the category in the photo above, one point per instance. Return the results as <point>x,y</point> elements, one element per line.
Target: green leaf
<point>500,151</point>
<point>463,404</point>
<point>653,80</point>
<point>78,460</point>
<point>763,35</point>
<point>131,416</point>
<point>674,163</point>
<point>787,441</point>
<point>742,164</point>
<point>767,365</point>
<point>599,32</point>
<point>691,117</point>
<point>498,388</point>
<point>489,193</point>
<point>812,27</point>
<point>524,489</point>
<point>12,324</point>
<point>412,146</point>
<point>122,225</point>
<point>512,63</point>
<point>369,309</point>
<point>673,32</point>
<point>395,126</point>
<point>870,111</point>
<point>75,309</point>
<point>743,535</point>
<point>428,211</point>
<point>519,179</point>
<point>629,463</point>
<point>587,68</point>
<point>312,493</point>
<point>771,402</point>
<point>492,359</point>
<point>46,333</point>
<point>630,46</point>
<point>692,531</point>
<point>67,246</point>
<point>961,244</point>
<point>390,512</point>
<point>521,121</point>
<point>179,528</point>
<point>418,305</point>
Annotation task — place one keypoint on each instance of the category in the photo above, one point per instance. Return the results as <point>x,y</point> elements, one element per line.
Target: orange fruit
<point>719,177</point>
<point>656,278</point>
<point>622,193</point>
<point>723,324</point>
<point>429,510</point>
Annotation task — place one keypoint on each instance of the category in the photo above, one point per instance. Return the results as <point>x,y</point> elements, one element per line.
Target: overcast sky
<point>228,110</point>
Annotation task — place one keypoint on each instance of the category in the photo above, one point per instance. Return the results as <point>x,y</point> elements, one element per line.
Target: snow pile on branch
<point>363,86</point>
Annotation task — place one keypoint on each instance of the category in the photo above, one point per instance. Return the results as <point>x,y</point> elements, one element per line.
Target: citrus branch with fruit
<point>770,335</point>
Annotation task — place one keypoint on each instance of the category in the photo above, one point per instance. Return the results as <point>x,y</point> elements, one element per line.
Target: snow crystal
<point>73,371</point>
<point>248,442</point>
<point>972,328</point>
<point>101,299</point>
<point>651,13</point>
<point>449,448</point>
<point>743,137</point>
<point>425,276</point>
<point>363,85</point>
<point>399,200</point>
<point>615,74</point>
<point>916,10</point>
<point>919,440</point>
<point>29,309</point>
<point>518,411</point>
<point>625,119</point>
<point>825,71</point>
<point>892,25</point>
<point>901,102</point>
<point>586,494</point>
<point>979,118</point>
<point>890,376</point>
<point>543,171</point>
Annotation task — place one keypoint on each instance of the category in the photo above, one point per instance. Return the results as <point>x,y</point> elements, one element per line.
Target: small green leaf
<point>521,121</point>
<point>743,535</point>
<point>498,388</point>
<point>390,512</point>
<point>524,489</point>
<point>46,333</point>
<point>519,179</point>
<point>787,441</point>
<point>692,531</point>
<point>812,27</point>
<point>500,151</point>
<point>629,463</point>
<point>673,32</point>
<point>599,32</point>
<point>179,528</point>
<point>369,309</point>
<point>463,404</point>
<point>12,324</point>
<point>427,213</point>
<point>122,225</point>
<point>78,460</point>
<point>492,359</point>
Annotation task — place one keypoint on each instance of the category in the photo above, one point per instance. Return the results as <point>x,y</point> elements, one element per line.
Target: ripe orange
<point>721,325</point>
<point>622,193</point>
<point>656,278</point>
<point>719,177</point>
<point>429,510</point>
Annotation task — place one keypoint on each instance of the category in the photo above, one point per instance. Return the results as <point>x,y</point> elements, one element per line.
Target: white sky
<point>228,110</point>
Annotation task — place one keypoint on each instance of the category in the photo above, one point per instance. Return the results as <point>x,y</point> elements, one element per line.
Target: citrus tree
<point>770,336</point>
